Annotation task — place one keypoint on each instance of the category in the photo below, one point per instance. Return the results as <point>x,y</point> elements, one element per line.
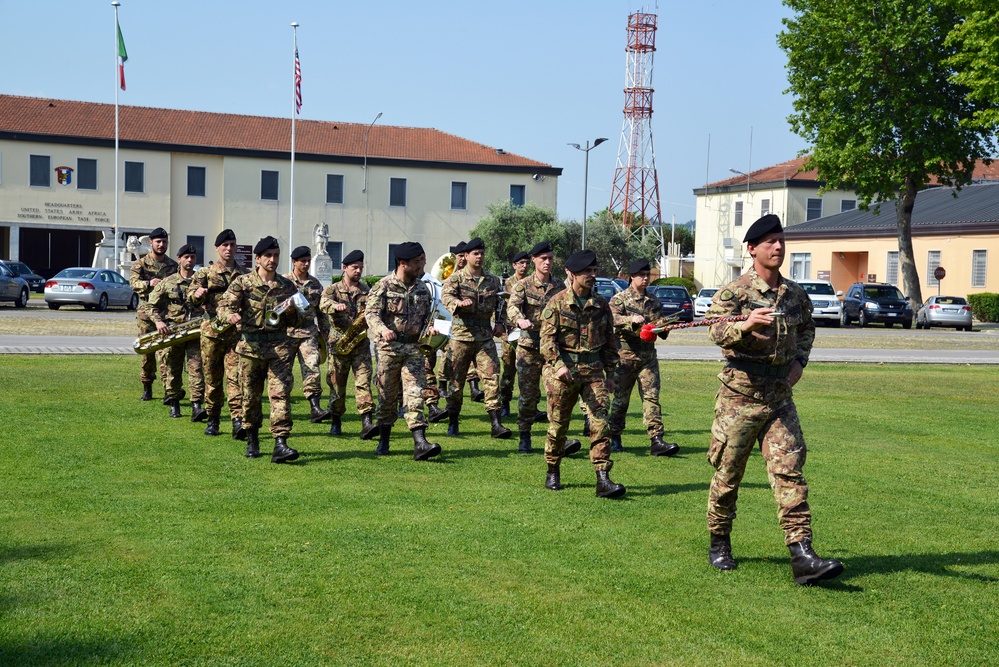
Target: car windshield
<point>76,273</point>
<point>605,290</point>
<point>671,292</point>
<point>951,300</point>
<point>818,288</point>
<point>707,293</point>
<point>882,292</point>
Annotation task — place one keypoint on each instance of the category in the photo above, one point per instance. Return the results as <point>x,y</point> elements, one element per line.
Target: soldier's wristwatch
<point>802,361</point>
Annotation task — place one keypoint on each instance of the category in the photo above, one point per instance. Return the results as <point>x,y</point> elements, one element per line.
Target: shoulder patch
<point>726,295</point>
<point>547,313</point>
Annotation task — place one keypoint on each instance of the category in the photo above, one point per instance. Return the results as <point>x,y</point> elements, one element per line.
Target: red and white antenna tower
<point>636,184</point>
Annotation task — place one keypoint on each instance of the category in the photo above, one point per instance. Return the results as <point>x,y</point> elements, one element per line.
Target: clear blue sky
<point>525,76</point>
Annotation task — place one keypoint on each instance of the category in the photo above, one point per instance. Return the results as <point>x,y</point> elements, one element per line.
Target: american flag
<point>298,84</point>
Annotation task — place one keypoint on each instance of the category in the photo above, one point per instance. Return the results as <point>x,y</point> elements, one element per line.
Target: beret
<point>265,244</point>
<point>225,235</point>
<point>639,265</point>
<point>408,250</point>
<point>474,244</point>
<point>301,251</point>
<point>578,261</point>
<point>765,225</point>
<point>541,248</point>
<point>158,233</point>
<point>187,250</point>
<point>524,254</point>
<point>353,256</point>
<point>460,248</point>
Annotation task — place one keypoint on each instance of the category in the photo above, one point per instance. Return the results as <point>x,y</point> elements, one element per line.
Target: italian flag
<point>122,57</point>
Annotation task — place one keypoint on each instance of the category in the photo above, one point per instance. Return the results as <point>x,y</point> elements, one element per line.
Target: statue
<point>322,263</point>
<point>321,233</point>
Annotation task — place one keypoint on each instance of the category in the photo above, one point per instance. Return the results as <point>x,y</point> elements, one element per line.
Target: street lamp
<point>364,187</point>
<point>742,173</point>
<point>586,176</point>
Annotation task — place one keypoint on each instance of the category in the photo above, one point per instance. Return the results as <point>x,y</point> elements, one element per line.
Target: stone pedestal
<point>104,254</point>
<point>322,268</point>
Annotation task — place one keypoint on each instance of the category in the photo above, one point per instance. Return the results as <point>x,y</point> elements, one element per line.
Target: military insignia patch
<point>726,295</point>
<point>547,313</point>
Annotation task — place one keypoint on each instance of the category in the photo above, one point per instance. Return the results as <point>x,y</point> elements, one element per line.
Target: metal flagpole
<point>294,112</point>
<point>114,259</point>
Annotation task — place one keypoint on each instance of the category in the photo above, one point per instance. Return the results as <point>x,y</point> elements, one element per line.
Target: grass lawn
<point>130,538</point>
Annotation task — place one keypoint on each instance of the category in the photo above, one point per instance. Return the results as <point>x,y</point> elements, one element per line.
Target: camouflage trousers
<point>273,363</point>
<point>529,365</point>
<point>402,373</point>
<point>430,394</point>
<point>221,368</point>
<point>445,372</point>
<point>148,363</point>
<point>307,351</point>
<point>358,362</point>
<point>481,354</point>
<point>641,368</point>
<point>508,355</point>
<point>173,376</point>
<point>741,422</point>
<point>562,397</point>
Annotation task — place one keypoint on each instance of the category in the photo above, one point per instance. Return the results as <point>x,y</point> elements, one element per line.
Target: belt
<point>638,347</point>
<point>473,323</point>
<point>583,357</point>
<point>408,340</point>
<point>264,336</point>
<point>763,370</point>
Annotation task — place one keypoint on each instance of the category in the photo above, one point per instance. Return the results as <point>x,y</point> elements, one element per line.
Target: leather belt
<point>264,336</point>
<point>583,357</point>
<point>762,370</point>
<point>638,347</point>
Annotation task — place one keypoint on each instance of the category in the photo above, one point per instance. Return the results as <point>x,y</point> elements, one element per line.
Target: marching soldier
<point>168,305</point>
<point>146,274</point>
<point>265,353</point>
<point>766,355</point>
<point>577,342</point>
<point>343,302</point>
<point>473,298</point>
<point>508,351</point>
<point>397,311</point>
<point>637,360</point>
<point>218,348</point>
<point>305,338</point>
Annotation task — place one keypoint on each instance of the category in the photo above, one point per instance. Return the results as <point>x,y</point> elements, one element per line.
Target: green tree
<point>876,98</point>
<point>976,44</point>
<point>509,229</point>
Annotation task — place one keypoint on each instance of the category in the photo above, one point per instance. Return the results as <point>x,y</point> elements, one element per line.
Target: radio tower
<point>636,184</point>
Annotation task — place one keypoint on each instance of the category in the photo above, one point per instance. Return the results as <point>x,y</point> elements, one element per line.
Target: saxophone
<point>352,336</point>
<point>179,333</point>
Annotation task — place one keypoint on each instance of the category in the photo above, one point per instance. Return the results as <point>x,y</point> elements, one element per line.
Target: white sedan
<point>703,301</point>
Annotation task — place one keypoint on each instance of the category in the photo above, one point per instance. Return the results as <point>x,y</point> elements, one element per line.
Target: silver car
<point>945,311</point>
<point>703,301</point>
<point>826,306</point>
<point>13,287</point>
<point>90,287</point>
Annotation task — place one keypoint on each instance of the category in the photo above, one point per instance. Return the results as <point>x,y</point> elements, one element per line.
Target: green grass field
<point>129,538</point>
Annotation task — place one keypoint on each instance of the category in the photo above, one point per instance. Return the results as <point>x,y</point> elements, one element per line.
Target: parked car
<point>13,288</point>
<point>607,288</point>
<point>675,300</point>
<point>945,311</point>
<point>622,283</point>
<point>35,282</point>
<point>703,300</point>
<point>826,306</point>
<point>876,302</point>
<point>90,287</point>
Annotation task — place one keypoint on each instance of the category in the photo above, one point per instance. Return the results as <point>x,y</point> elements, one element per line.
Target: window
<point>738,214</point>
<point>814,208</point>
<point>334,190</point>
<point>459,196</point>
<point>391,256</point>
<point>86,174</point>
<point>41,171</point>
<point>801,265</point>
<point>268,185</point>
<point>979,260</point>
<point>196,183</point>
<point>764,207</point>
<point>847,205</point>
<point>891,269</point>
<point>397,193</point>
<point>135,177</point>
<point>932,262</point>
<point>518,195</point>
<point>199,246</point>
<point>335,250</point>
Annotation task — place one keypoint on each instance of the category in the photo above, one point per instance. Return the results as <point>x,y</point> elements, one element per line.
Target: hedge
<point>985,306</point>
<point>686,283</point>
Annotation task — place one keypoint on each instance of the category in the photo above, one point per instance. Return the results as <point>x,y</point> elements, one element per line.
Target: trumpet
<point>273,317</point>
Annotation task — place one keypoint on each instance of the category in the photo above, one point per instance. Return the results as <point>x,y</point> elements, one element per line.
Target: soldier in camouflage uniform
<point>638,362</point>
<point>397,311</point>
<point>765,356</point>
<point>305,338</point>
<point>473,298</point>
<point>445,374</point>
<point>508,351</point>
<point>265,353</point>
<point>343,302</point>
<point>146,273</point>
<point>169,306</point>
<point>577,342</point>
<point>218,349</point>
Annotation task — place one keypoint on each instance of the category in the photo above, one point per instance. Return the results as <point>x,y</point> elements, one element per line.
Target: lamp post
<point>364,187</point>
<point>586,176</point>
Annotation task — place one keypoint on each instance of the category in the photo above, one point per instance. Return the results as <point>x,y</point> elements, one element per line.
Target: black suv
<point>876,302</point>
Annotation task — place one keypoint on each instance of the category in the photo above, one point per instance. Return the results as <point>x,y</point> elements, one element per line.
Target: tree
<point>976,44</point>
<point>875,95</point>
<point>510,229</point>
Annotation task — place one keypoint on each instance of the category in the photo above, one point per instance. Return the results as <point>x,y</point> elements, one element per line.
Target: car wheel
<point>102,303</point>
<point>53,306</point>
<point>844,319</point>
<point>22,298</point>
<point>862,318</point>
<point>907,324</point>
<point>134,303</point>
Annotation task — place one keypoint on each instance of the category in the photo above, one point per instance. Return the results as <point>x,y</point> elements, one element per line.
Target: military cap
<point>765,225</point>
<point>639,265</point>
<point>541,248</point>
<point>454,249</point>
<point>158,233</point>
<point>460,248</point>
<point>187,250</point>
<point>301,251</point>
<point>353,256</point>
<point>224,235</point>
<point>578,261</point>
<point>524,254</point>
<point>408,250</point>
<point>474,244</point>
<point>265,244</point>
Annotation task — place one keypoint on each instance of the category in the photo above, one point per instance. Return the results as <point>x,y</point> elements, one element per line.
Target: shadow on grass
<point>61,651</point>
<point>9,554</point>
<point>671,489</point>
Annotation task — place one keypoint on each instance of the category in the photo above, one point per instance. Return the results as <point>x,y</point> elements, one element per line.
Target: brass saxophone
<point>179,333</point>
<point>352,336</point>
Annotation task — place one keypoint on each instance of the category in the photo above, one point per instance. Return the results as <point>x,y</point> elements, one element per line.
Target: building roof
<point>37,119</point>
<point>941,210</point>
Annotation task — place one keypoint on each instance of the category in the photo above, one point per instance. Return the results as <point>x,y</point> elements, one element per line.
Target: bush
<point>682,282</point>
<point>371,280</point>
<point>985,306</point>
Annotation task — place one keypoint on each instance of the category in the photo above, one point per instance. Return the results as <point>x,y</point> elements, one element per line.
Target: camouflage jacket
<point>581,338</point>
<point>624,306</point>
<point>527,299</point>
<point>143,272</point>
<point>475,322</point>
<point>398,307</point>
<point>216,279</point>
<point>313,320</point>
<point>168,301</point>
<point>251,298</point>
<point>354,298</point>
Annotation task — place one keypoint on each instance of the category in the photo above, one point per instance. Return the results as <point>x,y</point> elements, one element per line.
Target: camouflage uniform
<point>755,404</point>
<point>264,353</point>
<point>581,338</point>
<point>404,309</point>
<point>637,361</point>
<point>142,273</point>
<point>527,300</point>
<point>168,303</point>
<point>508,353</point>
<point>304,339</point>
<point>358,361</point>
<point>218,350</point>
<point>472,334</point>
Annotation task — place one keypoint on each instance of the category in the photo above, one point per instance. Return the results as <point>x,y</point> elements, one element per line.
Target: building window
<point>196,182</point>
<point>391,256</point>
<point>41,171</point>
<point>801,265</point>
<point>764,207</point>
<point>86,174</point>
<point>335,250</point>
<point>135,177</point>
<point>199,247</point>
<point>814,208</point>
<point>891,268</point>
<point>459,196</point>
<point>334,189</point>
<point>397,195</point>
<point>268,185</point>
<point>847,205</point>
<point>979,260</point>
<point>932,262</point>
<point>518,195</point>
<point>738,214</point>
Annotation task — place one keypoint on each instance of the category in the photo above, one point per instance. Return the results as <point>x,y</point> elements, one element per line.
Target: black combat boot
<point>422,449</point>
<point>452,423</point>
<point>662,448</point>
<point>366,420</point>
<point>505,408</point>
<point>525,443</point>
<point>606,488</point>
<point>808,567</point>
<point>238,430</point>
<point>499,431</point>
<point>435,414</point>
<point>552,482</point>
<point>384,433</point>
<point>318,414</point>
<point>252,443</point>
<point>570,447</point>
<point>166,400</point>
<point>174,404</point>
<point>368,429</point>
<point>478,396</point>
<point>147,391</point>
<point>616,443</point>
<point>282,452</point>
<point>586,426</point>
<point>335,425</point>
<point>198,413</point>
<point>540,416</point>
<point>212,428</point>
<point>720,552</point>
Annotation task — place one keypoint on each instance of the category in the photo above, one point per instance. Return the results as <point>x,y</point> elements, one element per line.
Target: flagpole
<point>294,112</point>
<point>114,259</point>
